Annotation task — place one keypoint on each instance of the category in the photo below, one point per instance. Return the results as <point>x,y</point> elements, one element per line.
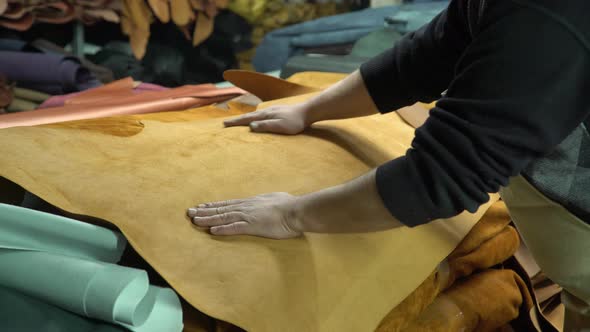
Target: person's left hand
<point>272,215</point>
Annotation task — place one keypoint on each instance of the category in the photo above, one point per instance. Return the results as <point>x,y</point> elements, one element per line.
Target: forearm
<point>351,207</point>
<point>348,98</point>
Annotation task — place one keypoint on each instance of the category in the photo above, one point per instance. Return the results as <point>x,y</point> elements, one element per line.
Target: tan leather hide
<point>141,173</point>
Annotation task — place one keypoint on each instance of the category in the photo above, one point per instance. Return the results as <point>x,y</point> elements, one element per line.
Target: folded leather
<point>485,301</point>
<point>490,242</point>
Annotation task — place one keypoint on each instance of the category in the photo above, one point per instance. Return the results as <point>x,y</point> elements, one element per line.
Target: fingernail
<point>192,212</point>
<point>202,205</point>
<point>213,230</point>
<point>254,125</point>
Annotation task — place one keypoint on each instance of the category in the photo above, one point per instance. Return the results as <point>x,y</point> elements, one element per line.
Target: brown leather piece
<point>15,11</point>
<point>23,23</point>
<point>108,15</point>
<point>181,12</point>
<point>135,23</point>
<point>56,12</point>
<point>161,9</point>
<point>264,86</point>
<point>203,28</point>
<point>222,3</point>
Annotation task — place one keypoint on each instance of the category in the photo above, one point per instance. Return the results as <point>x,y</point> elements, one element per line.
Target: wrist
<point>309,114</point>
<point>297,216</point>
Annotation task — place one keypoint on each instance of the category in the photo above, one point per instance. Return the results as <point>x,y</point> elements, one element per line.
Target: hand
<point>289,120</point>
<point>272,215</point>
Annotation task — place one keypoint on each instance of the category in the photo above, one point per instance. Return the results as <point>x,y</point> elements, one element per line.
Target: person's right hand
<point>288,120</point>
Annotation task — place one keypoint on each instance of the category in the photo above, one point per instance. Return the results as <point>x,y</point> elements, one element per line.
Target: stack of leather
<point>268,15</point>
<point>194,17</point>
<point>20,15</point>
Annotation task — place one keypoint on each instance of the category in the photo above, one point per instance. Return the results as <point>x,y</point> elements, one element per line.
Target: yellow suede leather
<point>143,181</point>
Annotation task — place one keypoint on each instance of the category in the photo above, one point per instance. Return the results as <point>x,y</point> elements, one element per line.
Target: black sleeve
<point>421,65</point>
<point>519,89</point>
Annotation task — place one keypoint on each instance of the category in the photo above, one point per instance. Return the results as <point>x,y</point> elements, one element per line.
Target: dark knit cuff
<point>400,194</point>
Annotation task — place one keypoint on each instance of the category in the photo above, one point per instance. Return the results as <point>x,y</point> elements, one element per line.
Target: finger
<point>219,219</point>
<point>245,119</point>
<point>221,203</point>
<point>236,228</point>
<point>205,212</point>
<point>270,126</point>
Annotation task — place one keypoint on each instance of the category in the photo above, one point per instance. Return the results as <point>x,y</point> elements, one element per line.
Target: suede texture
<point>144,177</point>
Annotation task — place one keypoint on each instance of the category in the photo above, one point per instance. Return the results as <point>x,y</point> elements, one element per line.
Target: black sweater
<point>517,75</point>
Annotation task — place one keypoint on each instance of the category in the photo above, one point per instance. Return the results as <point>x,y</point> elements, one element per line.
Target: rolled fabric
<point>65,236</point>
<point>31,95</point>
<point>50,73</point>
<point>70,265</point>
<point>104,74</point>
<point>94,289</point>
<point>24,313</point>
<point>21,105</point>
